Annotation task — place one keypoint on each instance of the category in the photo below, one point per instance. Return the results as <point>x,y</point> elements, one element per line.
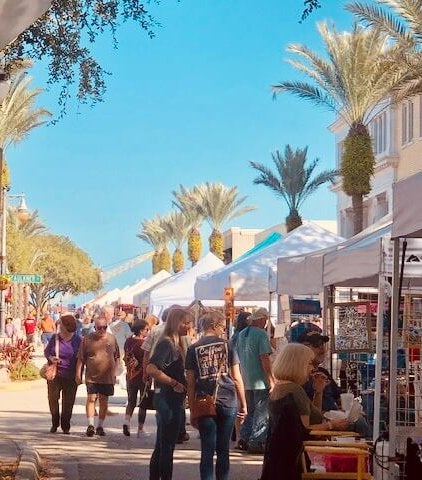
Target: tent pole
<point>392,400</point>
<point>379,345</point>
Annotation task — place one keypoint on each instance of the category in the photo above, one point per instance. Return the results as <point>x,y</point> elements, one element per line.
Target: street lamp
<point>23,215</point>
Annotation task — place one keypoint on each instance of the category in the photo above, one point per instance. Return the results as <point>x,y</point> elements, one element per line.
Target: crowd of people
<point>235,388</point>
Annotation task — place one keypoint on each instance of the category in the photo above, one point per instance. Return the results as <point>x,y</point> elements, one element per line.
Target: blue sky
<point>192,105</point>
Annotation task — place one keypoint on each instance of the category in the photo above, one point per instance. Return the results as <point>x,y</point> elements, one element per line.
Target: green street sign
<point>25,278</point>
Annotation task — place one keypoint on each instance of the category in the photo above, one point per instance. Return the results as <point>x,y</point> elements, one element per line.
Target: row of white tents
<point>301,263</point>
<point>252,277</point>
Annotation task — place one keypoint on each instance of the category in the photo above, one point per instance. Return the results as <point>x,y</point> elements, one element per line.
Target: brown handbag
<point>204,405</point>
<point>49,370</point>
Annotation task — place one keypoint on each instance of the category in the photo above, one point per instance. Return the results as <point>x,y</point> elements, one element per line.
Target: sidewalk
<point>24,417</point>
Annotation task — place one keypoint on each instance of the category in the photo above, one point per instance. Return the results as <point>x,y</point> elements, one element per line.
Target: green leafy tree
<point>293,180</point>
<point>65,37</point>
<point>65,269</point>
<point>186,201</point>
<point>351,81</point>
<point>218,204</point>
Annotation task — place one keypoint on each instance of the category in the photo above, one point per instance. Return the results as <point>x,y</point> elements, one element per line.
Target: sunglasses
<point>101,329</point>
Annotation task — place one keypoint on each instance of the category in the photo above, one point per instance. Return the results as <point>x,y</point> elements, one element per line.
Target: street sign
<point>25,278</point>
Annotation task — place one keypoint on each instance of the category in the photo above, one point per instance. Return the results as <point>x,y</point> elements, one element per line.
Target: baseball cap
<point>258,314</point>
<point>313,338</point>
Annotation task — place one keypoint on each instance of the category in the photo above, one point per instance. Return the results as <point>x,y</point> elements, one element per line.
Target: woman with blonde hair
<point>166,367</point>
<point>152,320</point>
<point>291,413</point>
<point>291,369</point>
<point>212,369</point>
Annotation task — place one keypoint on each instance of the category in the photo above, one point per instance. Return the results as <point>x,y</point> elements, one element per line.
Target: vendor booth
<point>249,277</point>
<point>179,290</point>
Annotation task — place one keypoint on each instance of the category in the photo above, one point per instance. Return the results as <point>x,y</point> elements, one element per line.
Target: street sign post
<point>25,278</point>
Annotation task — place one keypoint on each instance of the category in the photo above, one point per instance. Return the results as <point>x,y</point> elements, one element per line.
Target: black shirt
<point>167,358</point>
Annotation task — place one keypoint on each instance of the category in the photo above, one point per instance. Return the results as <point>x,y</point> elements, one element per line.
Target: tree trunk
<point>293,220</point>
<point>357,203</point>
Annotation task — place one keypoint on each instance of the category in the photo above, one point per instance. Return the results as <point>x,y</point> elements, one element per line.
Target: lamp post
<point>23,214</point>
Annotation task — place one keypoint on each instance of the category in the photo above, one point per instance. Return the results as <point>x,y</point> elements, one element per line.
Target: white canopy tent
<point>180,288</point>
<point>127,294</point>
<point>304,274</point>
<point>152,282</point>
<point>108,298</point>
<point>250,276</point>
<point>407,211</point>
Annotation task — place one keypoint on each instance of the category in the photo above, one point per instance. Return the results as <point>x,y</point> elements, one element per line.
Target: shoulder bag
<point>204,405</point>
<point>147,397</point>
<point>49,370</point>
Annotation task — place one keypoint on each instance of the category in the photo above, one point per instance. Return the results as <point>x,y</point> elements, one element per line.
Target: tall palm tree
<point>154,235</point>
<point>219,204</point>
<point>401,21</point>
<point>186,201</point>
<point>350,82</point>
<point>176,226</point>
<point>293,180</point>
<point>18,114</point>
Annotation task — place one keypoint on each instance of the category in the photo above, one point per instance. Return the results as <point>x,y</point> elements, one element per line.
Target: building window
<point>378,132</point>
<point>406,122</point>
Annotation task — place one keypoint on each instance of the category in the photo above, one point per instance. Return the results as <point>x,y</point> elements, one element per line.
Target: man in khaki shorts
<point>99,356</point>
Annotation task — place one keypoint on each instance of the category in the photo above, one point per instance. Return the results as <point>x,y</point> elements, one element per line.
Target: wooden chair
<point>359,450</point>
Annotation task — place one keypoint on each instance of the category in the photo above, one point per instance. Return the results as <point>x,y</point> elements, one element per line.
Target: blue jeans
<point>168,416</point>
<point>255,427</point>
<point>215,435</point>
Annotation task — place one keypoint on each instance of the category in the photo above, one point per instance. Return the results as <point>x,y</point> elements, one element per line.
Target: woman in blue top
<point>212,368</point>
<point>166,367</point>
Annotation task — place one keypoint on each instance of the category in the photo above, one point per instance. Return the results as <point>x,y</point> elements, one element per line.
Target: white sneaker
<point>142,434</point>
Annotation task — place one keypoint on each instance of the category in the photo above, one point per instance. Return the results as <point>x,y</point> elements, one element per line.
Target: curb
<point>29,463</point>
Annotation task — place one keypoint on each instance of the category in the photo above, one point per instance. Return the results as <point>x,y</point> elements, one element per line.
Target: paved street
<point>24,416</point>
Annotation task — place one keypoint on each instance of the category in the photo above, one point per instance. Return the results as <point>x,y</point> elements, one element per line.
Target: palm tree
<point>153,234</point>
<point>176,226</point>
<point>351,82</point>
<point>18,115</point>
<point>219,204</point>
<point>186,202</point>
<point>292,180</point>
<point>402,23</point>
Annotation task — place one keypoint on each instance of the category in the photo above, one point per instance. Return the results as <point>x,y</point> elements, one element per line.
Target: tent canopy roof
<point>250,276</point>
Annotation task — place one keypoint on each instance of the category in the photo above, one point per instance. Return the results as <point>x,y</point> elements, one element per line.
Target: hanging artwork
<point>412,321</point>
<point>351,328</point>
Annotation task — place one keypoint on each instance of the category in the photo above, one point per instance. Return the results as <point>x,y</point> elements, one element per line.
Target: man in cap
<point>254,349</point>
<point>321,388</point>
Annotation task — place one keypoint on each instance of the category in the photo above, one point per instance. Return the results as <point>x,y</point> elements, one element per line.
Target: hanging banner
<point>412,259</point>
